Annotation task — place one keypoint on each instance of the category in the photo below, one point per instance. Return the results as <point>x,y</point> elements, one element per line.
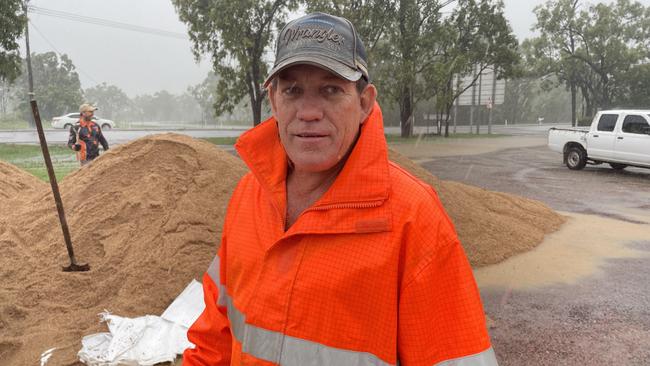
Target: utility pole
<point>471,109</point>
<point>73,267</point>
<point>480,85</point>
<point>493,99</point>
<point>457,101</point>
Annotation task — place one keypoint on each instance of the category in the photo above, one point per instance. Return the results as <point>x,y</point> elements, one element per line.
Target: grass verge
<point>30,159</point>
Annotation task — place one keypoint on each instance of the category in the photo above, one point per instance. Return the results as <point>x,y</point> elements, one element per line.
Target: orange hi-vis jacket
<point>371,274</point>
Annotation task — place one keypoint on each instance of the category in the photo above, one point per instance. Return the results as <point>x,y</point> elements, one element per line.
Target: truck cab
<point>618,137</point>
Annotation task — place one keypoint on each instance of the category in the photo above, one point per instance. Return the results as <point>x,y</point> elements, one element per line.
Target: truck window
<point>635,124</point>
<point>607,122</point>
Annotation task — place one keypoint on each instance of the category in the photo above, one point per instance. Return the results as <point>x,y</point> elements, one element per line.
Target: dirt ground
<point>582,297</point>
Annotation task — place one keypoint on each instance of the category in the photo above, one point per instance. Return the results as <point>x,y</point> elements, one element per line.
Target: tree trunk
<point>406,111</point>
<point>573,104</point>
<point>256,106</point>
<point>588,106</point>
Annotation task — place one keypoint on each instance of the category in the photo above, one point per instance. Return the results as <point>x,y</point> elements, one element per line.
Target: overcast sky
<point>142,63</point>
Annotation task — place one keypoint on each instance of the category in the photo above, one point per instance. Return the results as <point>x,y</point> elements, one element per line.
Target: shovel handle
<point>55,190</point>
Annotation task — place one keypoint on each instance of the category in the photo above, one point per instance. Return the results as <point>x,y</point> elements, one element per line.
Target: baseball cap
<point>87,107</point>
<point>322,40</point>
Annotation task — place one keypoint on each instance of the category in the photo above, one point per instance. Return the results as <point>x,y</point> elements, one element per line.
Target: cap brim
<point>328,64</point>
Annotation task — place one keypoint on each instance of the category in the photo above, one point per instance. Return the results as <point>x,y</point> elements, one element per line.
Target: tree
<point>205,95</point>
<point>636,93</point>
<point>371,18</point>
<point>555,50</point>
<point>415,53</point>
<point>478,37</point>
<point>56,86</point>
<point>592,50</point>
<point>613,38</point>
<point>408,52</point>
<point>237,35</point>
<point>12,26</point>
<point>112,101</point>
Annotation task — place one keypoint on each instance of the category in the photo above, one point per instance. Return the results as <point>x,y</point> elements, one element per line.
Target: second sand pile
<point>147,216</point>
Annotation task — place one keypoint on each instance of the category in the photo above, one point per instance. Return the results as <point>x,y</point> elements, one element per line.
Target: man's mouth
<point>310,135</point>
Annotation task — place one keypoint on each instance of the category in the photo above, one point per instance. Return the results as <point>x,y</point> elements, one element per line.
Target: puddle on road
<point>578,250</point>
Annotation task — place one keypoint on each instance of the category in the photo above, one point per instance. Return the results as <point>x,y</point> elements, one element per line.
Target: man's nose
<point>310,108</point>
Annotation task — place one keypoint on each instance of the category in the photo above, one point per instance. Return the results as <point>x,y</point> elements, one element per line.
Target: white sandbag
<point>145,340</point>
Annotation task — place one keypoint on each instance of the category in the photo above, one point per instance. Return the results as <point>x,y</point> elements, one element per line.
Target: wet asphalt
<point>600,320</point>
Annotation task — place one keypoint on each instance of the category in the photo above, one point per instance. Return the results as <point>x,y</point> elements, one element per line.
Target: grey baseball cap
<point>322,40</point>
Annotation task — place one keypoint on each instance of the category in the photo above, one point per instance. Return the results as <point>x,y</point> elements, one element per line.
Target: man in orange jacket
<point>330,253</point>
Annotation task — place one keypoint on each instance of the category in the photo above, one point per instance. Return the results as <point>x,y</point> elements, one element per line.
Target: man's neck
<point>305,188</point>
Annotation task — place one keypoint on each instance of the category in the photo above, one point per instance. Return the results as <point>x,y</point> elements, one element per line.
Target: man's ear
<point>367,100</point>
<point>270,91</point>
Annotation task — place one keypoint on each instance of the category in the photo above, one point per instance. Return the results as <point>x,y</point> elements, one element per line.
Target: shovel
<point>74,266</point>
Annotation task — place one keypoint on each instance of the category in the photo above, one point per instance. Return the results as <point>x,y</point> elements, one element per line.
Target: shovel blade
<point>74,267</point>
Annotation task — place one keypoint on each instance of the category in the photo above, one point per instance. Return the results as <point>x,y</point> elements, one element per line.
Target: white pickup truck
<point>620,138</point>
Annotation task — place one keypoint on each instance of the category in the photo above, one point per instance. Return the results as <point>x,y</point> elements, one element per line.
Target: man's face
<point>319,116</point>
<point>88,115</point>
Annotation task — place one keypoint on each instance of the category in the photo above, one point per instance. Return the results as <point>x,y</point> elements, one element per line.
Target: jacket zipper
<point>370,204</point>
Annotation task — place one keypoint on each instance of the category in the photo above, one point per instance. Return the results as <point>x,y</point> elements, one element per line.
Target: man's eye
<point>291,91</point>
<point>332,90</point>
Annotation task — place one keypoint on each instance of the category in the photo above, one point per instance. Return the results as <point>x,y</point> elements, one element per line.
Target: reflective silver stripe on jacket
<point>291,351</point>
<point>215,274</point>
<point>485,358</point>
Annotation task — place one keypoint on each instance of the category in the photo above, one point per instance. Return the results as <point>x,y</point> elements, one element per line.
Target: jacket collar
<point>363,179</point>
<point>83,123</point>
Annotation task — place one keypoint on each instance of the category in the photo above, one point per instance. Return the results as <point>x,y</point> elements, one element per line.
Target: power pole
<point>471,109</point>
<point>457,101</point>
<point>480,85</point>
<point>493,100</point>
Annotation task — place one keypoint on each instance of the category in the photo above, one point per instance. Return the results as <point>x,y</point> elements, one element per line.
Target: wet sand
<point>577,251</point>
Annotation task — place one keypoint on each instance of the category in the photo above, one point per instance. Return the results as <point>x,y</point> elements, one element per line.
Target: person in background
<point>86,136</point>
<point>330,253</point>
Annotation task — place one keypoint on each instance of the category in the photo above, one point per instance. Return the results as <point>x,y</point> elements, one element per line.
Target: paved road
<point>538,173</point>
<point>603,319</point>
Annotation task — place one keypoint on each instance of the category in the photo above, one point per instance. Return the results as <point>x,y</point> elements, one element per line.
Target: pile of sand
<point>16,184</point>
<point>147,216</point>
<point>492,226</point>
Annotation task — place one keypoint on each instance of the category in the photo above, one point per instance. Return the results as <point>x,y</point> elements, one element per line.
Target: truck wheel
<point>617,166</point>
<point>576,158</point>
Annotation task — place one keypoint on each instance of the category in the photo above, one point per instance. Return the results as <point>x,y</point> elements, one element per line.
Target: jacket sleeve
<point>102,139</point>
<point>210,333</point>
<point>441,318</point>
<point>72,137</point>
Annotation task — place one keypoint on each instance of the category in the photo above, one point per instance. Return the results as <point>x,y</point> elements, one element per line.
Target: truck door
<point>633,141</point>
<point>601,140</point>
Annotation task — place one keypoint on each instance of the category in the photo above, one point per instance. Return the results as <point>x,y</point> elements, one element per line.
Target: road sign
<point>487,81</point>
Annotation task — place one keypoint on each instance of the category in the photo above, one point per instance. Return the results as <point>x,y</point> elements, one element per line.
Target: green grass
<point>431,137</point>
<point>30,159</point>
<point>10,124</point>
